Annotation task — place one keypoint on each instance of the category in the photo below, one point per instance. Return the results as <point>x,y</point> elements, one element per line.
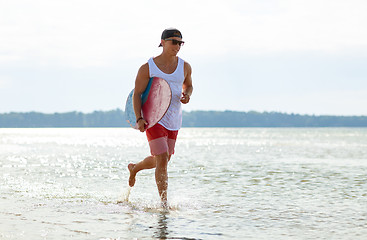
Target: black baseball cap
<point>170,32</point>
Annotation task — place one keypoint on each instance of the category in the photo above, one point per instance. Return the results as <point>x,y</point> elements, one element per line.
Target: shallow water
<point>240,183</point>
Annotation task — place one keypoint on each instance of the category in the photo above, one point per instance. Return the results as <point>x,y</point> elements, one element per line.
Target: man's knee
<point>162,159</point>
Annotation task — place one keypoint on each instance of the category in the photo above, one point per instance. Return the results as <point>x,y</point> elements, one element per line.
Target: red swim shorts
<point>161,140</point>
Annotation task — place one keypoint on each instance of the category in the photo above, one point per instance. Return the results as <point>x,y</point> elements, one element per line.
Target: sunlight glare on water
<point>236,183</point>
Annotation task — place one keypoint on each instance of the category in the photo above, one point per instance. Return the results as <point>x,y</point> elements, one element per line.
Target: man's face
<point>172,44</point>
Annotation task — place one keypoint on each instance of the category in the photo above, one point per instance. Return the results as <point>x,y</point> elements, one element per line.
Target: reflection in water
<point>162,229</point>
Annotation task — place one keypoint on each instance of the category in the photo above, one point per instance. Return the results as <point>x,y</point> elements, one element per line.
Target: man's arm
<point>187,84</point>
<point>141,83</point>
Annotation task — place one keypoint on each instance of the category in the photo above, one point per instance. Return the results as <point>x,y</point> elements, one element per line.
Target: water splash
<point>124,198</point>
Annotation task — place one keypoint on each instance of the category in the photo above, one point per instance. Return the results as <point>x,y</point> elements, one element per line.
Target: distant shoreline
<point>116,118</point>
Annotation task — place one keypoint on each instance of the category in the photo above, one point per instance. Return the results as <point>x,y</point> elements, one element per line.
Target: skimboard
<point>155,102</point>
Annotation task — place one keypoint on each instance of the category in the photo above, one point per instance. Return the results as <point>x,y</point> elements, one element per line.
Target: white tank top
<point>172,120</point>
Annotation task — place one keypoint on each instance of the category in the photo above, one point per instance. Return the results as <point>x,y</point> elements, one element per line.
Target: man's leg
<point>161,176</point>
<point>147,163</point>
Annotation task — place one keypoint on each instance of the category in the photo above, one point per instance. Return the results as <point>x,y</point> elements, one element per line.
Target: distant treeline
<point>116,118</point>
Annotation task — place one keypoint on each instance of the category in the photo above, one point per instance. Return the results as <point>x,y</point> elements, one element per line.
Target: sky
<point>290,56</point>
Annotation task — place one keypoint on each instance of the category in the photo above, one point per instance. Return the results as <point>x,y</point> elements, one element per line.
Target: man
<point>162,136</point>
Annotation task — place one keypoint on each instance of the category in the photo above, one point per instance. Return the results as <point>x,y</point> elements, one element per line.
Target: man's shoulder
<point>144,67</point>
<point>144,70</point>
<point>187,66</point>
<point>186,63</point>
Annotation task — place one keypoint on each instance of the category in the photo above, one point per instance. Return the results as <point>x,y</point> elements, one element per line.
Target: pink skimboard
<point>155,102</point>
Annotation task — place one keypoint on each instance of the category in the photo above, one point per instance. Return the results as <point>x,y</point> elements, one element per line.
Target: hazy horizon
<point>261,112</point>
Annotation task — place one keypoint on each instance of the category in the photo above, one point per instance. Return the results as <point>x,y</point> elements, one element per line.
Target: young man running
<point>162,136</point>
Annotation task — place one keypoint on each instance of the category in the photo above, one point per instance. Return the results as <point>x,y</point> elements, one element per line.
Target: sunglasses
<point>176,42</point>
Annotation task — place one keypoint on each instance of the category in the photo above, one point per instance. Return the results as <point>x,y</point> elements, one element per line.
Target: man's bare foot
<point>132,174</point>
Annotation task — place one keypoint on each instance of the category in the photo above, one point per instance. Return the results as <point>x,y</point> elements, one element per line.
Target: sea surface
<point>224,183</point>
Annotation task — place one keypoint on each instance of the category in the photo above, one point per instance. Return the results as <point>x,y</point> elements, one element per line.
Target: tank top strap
<point>154,71</point>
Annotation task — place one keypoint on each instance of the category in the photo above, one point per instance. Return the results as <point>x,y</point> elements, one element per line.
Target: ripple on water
<point>252,183</point>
